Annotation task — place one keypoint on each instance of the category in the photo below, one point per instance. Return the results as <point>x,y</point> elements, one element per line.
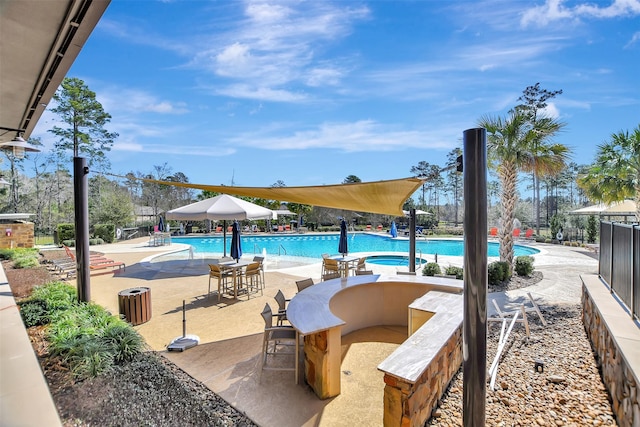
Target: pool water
<point>397,260</point>
<point>314,245</point>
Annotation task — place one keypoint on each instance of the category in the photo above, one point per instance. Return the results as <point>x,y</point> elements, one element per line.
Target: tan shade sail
<point>383,197</point>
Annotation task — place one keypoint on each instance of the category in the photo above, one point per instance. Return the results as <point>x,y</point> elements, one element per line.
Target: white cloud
<point>554,10</point>
<point>634,39</point>
<point>261,93</point>
<point>359,136</point>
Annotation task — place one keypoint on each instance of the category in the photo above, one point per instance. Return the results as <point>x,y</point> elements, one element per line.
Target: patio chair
<point>282,307</point>
<point>493,232</point>
<point>528,234</point>
<point>516,232</point>
<point>277,341</point>
<point>221,276</point>
<point>253,278</point>
<point>360,266</point>
<point>304,284</point>
<point>330,269</point>
<point>260,259</point>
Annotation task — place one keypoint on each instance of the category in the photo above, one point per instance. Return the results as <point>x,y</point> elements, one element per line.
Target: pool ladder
<point>280,246</point>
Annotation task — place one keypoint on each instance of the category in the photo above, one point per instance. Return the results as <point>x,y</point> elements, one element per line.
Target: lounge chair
<point>97,262</point>
<point>493,232</point>
<point>516,232</point>
<point>528,234</point>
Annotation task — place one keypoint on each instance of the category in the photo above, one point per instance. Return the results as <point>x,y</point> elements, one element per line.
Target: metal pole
<point>81,208</point>
<point>412,240</point>
<point>474,330</point>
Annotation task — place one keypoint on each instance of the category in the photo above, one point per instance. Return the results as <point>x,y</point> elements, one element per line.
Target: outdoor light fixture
<point>19,146</point>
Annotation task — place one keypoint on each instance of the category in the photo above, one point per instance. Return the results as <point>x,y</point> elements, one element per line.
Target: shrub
<point>431,269</point>
<point>21,257</point>
<point>66,232</point>
<point>91,341</point>
<point>46,302</point>
<point>498,272</point>
<point>524,265</point>
<point>548,240</point>
<point>457,271</point>
<point>592,229</point>
<point>106,232</point>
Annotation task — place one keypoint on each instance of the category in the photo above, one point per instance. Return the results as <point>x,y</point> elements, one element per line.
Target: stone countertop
<point>309,310</point>
<point>409,360</point>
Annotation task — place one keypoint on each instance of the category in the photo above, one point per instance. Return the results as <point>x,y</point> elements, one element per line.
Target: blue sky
<point>308,92</point>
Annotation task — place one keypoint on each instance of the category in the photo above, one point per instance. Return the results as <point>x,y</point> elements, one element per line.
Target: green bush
<point>91,341</point>
<point>106,232</point>
<point>46,302</point>
<point>21,257</point>
<point>34,313</point>
<point>431,269</point>
<point>524,265</point>
<point>498,272</point>
<point>592,229</point>
<point>457,271</point>
<point>72,243</point>
<point>66,232</point>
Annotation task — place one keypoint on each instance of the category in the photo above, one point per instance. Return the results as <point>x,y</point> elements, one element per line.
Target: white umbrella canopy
<point>221,207</point>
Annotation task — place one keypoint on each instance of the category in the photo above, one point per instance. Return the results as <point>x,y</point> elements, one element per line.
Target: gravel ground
<point>568,392</point>
<point>150,391</point>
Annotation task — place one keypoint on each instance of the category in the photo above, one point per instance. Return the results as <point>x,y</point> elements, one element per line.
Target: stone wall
<point>617,375</point>
<point>21,235</point>
<point>407,404</point>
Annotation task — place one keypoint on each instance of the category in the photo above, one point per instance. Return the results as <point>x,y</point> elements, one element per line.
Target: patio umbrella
<point>222,207</point>
<point>161,225</point>
<point>236,243</point>
<point>342,243</point>
<point>394,230</point>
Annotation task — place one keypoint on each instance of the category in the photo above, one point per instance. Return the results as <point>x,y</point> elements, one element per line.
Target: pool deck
<point>230,332</point>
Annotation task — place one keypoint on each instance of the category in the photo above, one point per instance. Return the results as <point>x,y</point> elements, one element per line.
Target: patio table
<point>236,270</point>
<point>345,262</point>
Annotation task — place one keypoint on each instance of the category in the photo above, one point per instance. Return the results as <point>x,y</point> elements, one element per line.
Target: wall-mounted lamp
<point>18,145</point>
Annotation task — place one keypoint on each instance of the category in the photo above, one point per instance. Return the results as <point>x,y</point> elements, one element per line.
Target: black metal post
<point>412,240</point>
<point>81,209</point>
<point>474,329</point>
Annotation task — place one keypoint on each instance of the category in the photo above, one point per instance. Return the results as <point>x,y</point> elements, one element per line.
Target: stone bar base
<point>615,339</point>
<point>407,404</point>
<point>322,352</point>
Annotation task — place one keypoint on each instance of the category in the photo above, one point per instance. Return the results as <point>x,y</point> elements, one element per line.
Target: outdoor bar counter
<point>322,313</point>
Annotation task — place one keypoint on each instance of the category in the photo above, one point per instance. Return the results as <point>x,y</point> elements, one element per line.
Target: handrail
<point>255,248</point>
<point>283,248</point>
<point>420,251</point>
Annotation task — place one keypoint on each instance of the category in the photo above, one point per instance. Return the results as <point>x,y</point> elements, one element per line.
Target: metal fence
<point>619,263</point>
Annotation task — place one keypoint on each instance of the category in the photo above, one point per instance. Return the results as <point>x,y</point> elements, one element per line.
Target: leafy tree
<point>546,159</point>
<point>615,175</point>
<point>421,170</point>
<point>351,179</point>
<point>454,180</point>
<point>592,229</point>
<point>509,151</point>
<point>85,134</point>
<point>111,204</point>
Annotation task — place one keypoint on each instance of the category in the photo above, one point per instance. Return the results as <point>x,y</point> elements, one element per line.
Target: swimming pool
<point>314,245</point>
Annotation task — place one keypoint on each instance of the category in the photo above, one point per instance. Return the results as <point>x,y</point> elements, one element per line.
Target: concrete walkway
<point>230,331</point>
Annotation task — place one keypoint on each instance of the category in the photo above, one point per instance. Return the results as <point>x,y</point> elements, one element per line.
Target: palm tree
<point>513,145</point>
<point>547,159</point>
<point>615,175</point>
